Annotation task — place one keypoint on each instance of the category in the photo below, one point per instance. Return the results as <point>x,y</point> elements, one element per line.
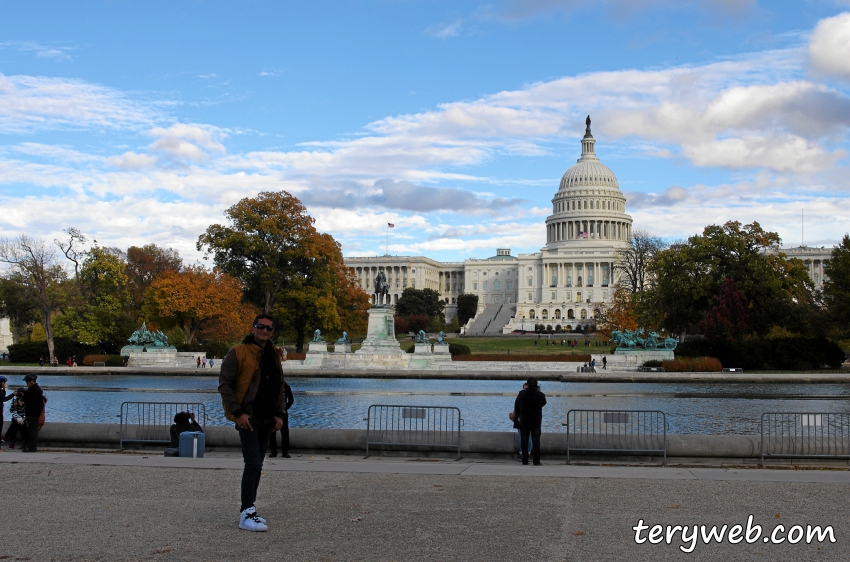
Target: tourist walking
<point>33,407</point>
<point>212,362</point>
<point>604,363</point>
<point>204,363</point>
<point>199,362</point>
<point>252,392</point>
<point>284,431</point>
<point>531,402</point>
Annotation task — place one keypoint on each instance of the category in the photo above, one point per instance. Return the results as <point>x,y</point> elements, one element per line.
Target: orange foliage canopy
<point>203,304</point>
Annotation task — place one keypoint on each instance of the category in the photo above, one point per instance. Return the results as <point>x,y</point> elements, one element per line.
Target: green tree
<point>836,288</point>
<point>37,268</point>
<point>688,276</point>
<point>17,303</point>
<point>467,307</point>
<point>288,268</point>
<point>100,315</point>
<point>421,302</point>
<point>269,245</point>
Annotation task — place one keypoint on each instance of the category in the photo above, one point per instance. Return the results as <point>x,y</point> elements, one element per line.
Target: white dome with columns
<point>589,205</point>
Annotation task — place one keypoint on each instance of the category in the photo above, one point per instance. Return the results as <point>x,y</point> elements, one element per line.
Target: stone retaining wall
<point>483,443</point>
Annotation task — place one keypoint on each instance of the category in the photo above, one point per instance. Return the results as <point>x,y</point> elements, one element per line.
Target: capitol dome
<point>588,171</point>
<point>589,206</point>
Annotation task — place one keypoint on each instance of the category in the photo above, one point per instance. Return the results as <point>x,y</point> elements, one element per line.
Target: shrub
<point>109,360</point>
<point>459,349</point>
<point>691,364</point>
<point>796,353</point>
<point>400,325</point>
<point>29,352</point>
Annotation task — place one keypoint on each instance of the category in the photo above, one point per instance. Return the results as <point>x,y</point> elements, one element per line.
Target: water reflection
<point>342,403</point>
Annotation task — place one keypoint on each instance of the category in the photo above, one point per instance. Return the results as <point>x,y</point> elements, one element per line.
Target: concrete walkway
<point>107,506</point>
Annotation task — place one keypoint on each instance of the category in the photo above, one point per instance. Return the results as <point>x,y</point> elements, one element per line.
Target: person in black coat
<point>517,425</point>
<point>284,431</point>
<point>33,406</point>
<point>531,402</point>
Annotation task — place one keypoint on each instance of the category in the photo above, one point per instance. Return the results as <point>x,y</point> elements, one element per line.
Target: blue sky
<point>142,122</point>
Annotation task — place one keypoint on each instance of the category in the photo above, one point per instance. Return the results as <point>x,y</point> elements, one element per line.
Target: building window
<point>545,314</point>
<point>578,296</point>
<point>584,315</point>
<point>530,298</point>
<point>568,295</point>
<point>531,314</point>
<point>557,314</point>
<point>496,285</point>
<point>509,285</point>
<point>554,296</point>
<point>530,282</point>
<point>475,286</point>
<point>484,285</point>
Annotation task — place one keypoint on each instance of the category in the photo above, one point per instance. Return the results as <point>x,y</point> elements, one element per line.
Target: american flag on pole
<point>390,225</point>
<point>582,235</point>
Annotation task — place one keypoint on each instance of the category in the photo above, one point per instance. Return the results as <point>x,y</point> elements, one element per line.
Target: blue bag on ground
<point>192,444</point>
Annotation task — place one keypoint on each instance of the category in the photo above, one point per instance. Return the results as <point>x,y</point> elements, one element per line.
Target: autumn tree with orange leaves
<point>202,304</point>
<point>618,314</point>
<point>288,268</point>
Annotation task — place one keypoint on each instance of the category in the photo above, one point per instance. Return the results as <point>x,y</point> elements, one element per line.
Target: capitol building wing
<point>559,285</point>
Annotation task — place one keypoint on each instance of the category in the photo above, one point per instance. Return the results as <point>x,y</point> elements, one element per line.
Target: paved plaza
<point>108,506</point>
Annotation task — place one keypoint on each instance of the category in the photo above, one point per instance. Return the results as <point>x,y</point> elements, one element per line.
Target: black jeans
<point>13,430</point>
<point>254,445</point>
<point>31,443</point>
<point>535,444</point>
<point>284,438</point>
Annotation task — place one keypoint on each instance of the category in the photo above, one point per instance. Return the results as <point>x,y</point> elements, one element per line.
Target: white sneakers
<point>250,521</point>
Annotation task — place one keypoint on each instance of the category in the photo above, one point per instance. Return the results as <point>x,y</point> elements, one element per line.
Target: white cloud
<point>30,103</point>
<point>187,141</point>
<point>829,49</point>
<point>133,161</point>
<point>445,29</point>
<point>41,51</point>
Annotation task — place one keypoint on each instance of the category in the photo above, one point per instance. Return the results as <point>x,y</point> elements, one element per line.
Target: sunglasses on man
<point>265,327</point>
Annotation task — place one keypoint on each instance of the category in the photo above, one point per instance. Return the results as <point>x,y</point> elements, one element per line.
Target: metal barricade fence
<point>805,435</point>
<point>148,422</point>
<point>616,431</point>
<point>413,426</point>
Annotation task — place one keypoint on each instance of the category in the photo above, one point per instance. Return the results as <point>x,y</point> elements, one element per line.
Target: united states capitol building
<point>558,286</point>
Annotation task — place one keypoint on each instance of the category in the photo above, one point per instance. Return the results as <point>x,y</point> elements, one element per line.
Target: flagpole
<point>387,247</point>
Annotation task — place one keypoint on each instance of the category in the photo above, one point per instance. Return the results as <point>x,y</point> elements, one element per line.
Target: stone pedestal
<point>317,347</point>
<point>342,348</point>
<point>422,349</point>
<point>441,349</point>
<point>141,356</point>
<point>380,335</point>
<point>637,357</point>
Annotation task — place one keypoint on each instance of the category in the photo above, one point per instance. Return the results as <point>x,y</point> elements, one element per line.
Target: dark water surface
<point>342,403</point>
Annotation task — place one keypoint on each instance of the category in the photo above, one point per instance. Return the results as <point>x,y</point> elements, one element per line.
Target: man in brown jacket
<point>251,386</point>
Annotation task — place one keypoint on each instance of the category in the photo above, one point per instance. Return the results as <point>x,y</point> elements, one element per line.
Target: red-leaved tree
<point>729,318</point>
